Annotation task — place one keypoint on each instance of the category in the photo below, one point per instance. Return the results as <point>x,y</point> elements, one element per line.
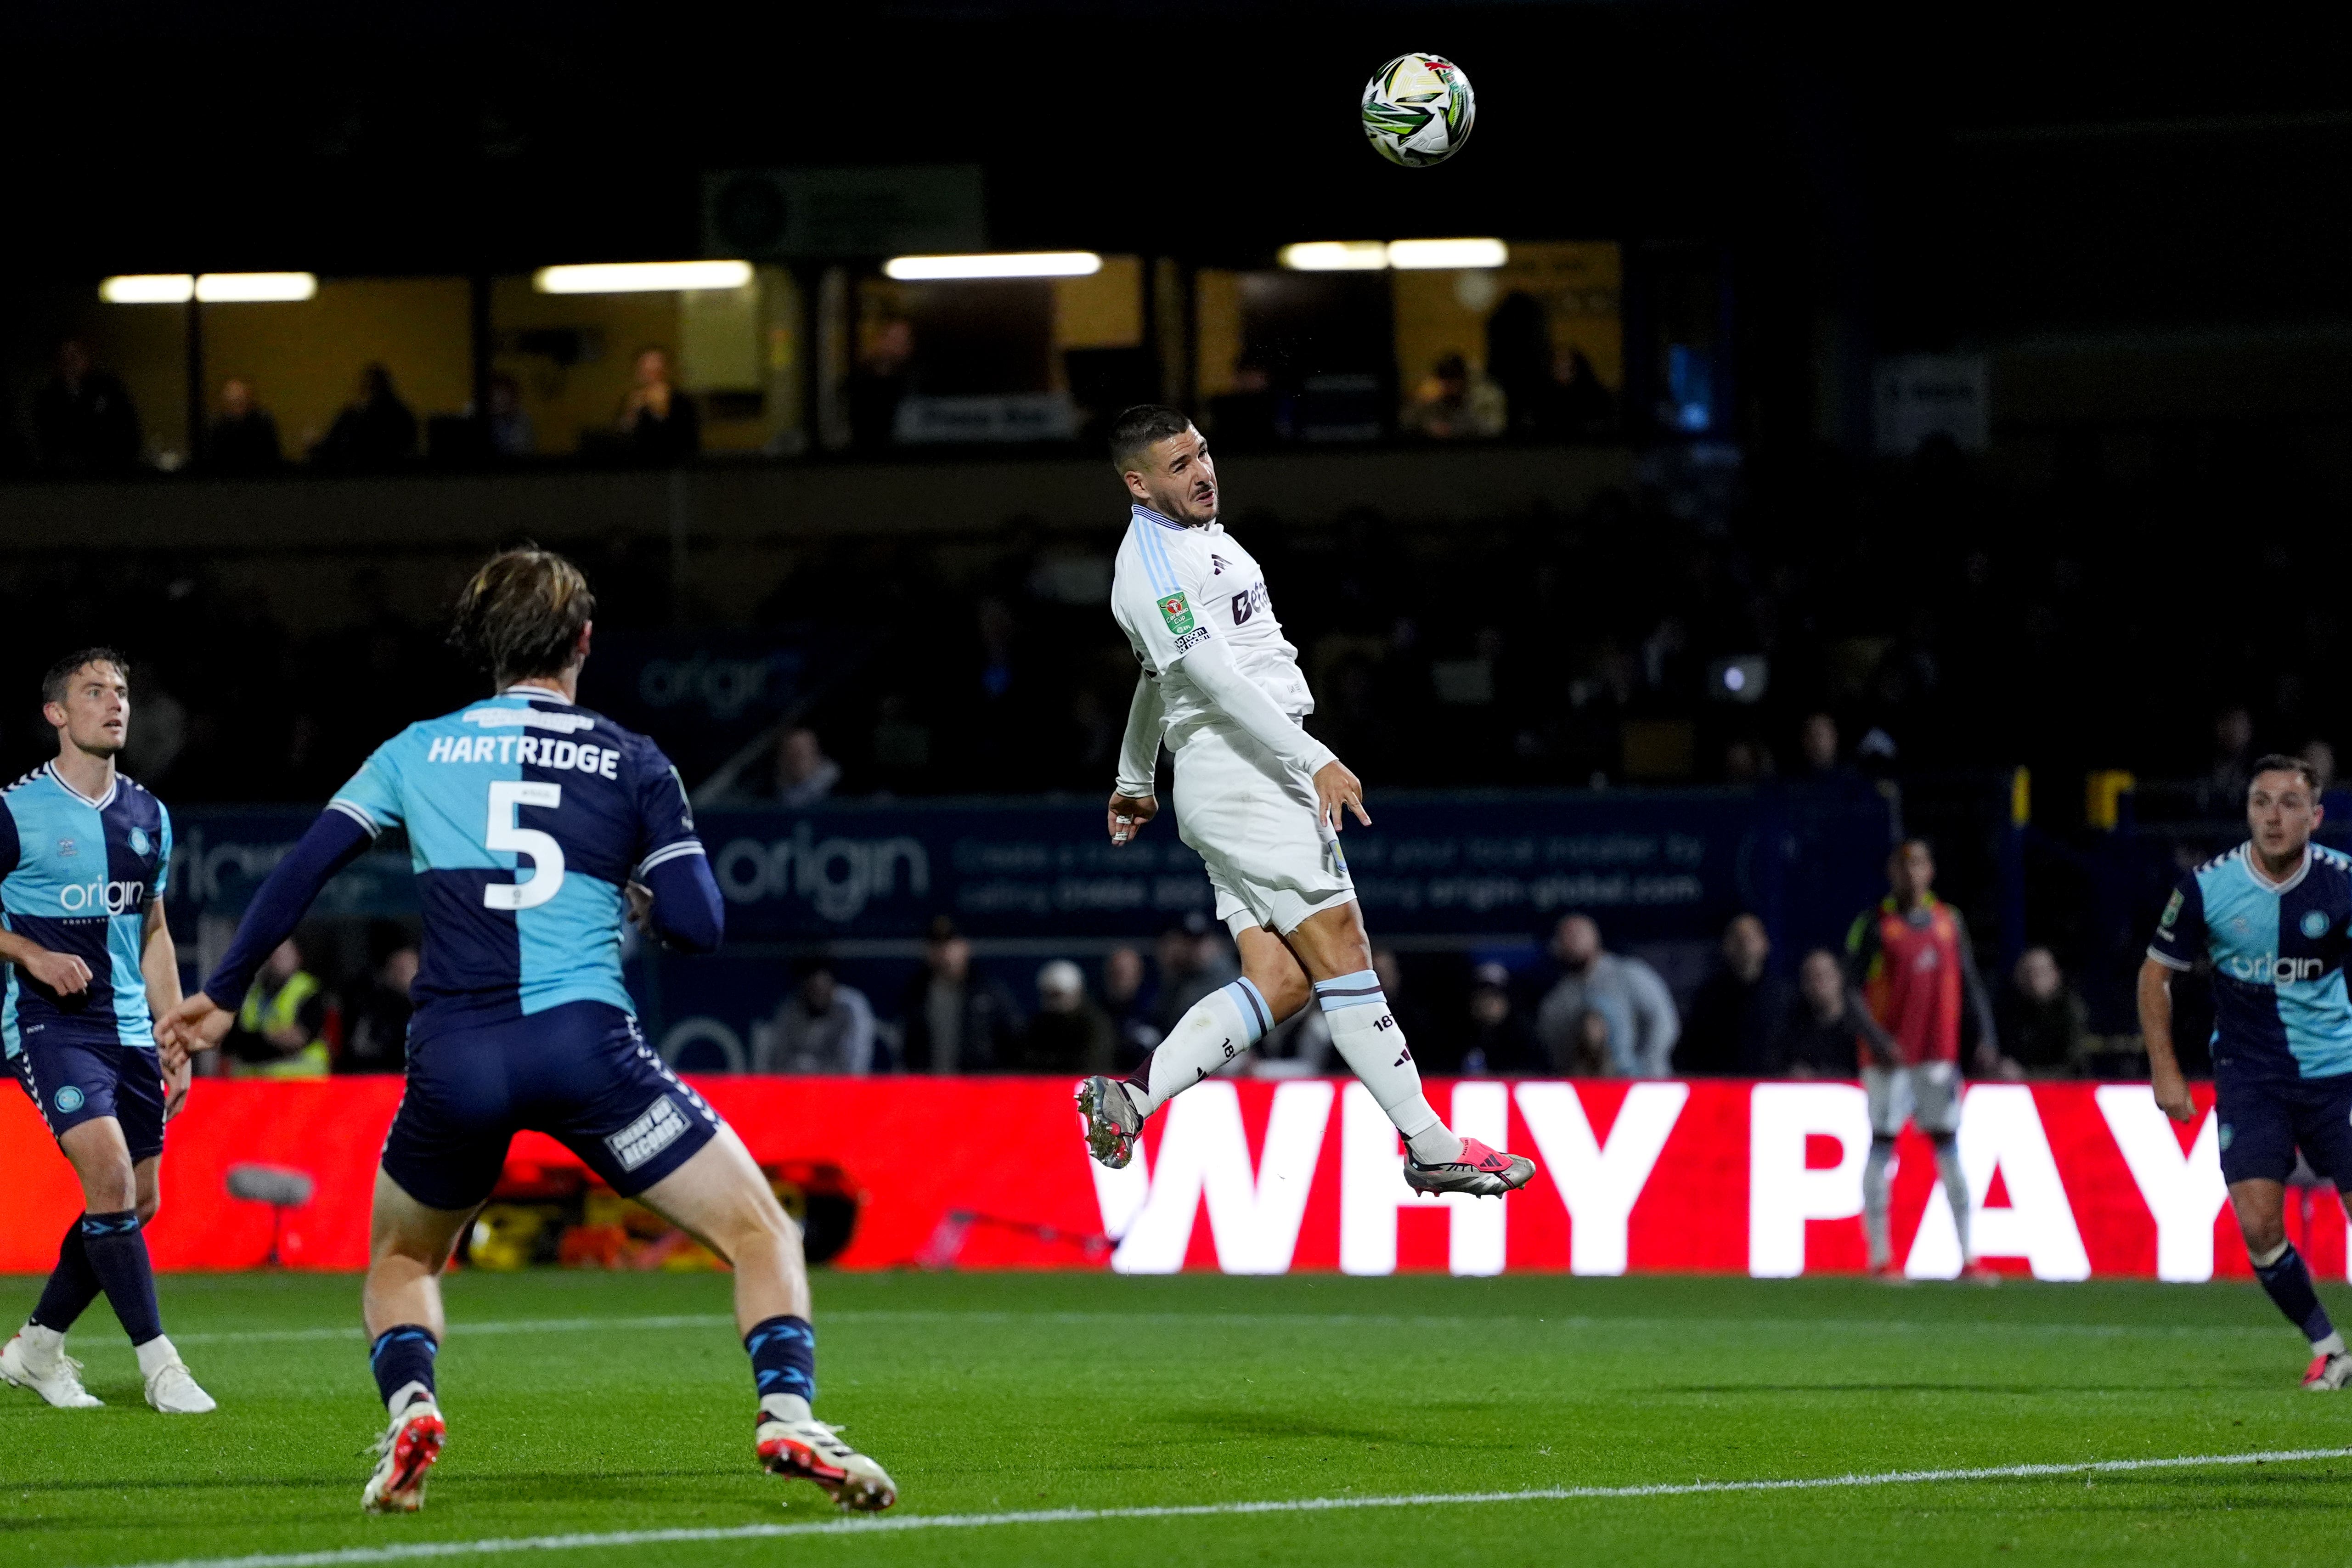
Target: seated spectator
<point>1069,1033</point>
<point>1738,1011</point>
<point>956,1021</point>
<point>804,774</point>
<point>509,428</point>
<point>375,1036</point>
<point>375,430</point>
<point>1457,404</point>
<point>1195,960</point>
<point>2042,1018</point>
<point>83,420</point>
<point>282,1029</point>
<point>244,436</point>
<point>658,423</point>
<point>1624,992</point>
<point>1130,1001</point>
<point>1819,1036</point>
<point>1499,1040</point>
<point>823,1028</point>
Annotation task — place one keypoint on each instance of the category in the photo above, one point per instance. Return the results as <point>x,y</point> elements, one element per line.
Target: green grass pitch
<point>596,1403</point>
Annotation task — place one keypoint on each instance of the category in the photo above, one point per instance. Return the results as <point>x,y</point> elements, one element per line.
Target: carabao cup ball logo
<point>1418,110</point>
<point>67,1099</point>
<point>140,842</point>
<point>2315,924</point>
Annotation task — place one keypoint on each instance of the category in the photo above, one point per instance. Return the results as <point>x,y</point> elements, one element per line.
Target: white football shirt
<point>1174,588</point>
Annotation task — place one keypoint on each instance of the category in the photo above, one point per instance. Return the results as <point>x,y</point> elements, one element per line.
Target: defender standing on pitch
<point>1263,802</point>
<point>84,854</point>
<point>2275,916</point>
<point>531,823</point>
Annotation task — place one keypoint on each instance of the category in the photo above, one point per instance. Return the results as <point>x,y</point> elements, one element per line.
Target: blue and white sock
<point>1365,1034</point>
<point>783,1365</point>
<point>1218,1027</point>
<point>402,1359</point>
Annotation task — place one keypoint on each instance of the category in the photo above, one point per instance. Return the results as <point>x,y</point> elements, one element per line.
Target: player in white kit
<point>1263,802</point>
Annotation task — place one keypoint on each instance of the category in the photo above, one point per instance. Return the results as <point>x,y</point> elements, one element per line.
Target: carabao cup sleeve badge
<point>1176,613</point>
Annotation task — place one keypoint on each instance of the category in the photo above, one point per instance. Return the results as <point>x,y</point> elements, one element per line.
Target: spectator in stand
<point>83,420</point>
<point>283,1028</point>
<point>1069,1034</point>
<point>1586,406</point>
<point>658,423</point>
<point>1129,1000</point>
<point>1627,995</point>
<point>375,432</point>
<point>1817,740</point>
<point>1739,1010</point>
<point>244,435</point>
<point>1499,1040</point>
<point>510,429</point>
<point>879,385</point>
<point>1519,358</point>
<point>2334,798</point>
<point>823,1027</point>
<point>2223,791</point>
<point>1818,1034</point>
<point>375,1036</point>
<point>804,774</point>
<point>2042,1019</point>
<point>956,1021</point>
<point>1193,962</point>
<point>1457,404</point>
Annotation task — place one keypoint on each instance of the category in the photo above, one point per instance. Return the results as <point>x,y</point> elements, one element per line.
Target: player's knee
<point>1286,991</point>
<point>150,1205</point>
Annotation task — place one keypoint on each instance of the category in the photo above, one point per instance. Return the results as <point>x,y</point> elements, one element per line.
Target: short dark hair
<point>2280,763</point>
<point>521,614</point>
<point>1141,427</point>
<point>60,674</point>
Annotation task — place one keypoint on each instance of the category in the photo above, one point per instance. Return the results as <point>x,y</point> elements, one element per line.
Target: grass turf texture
<point>996,1393</point>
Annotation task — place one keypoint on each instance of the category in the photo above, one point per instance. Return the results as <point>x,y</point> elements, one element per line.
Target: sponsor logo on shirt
<point>1249,602</point>
<point>66,849</point>
<point>661,1126</point>
<point>2271,969</point>
<point>1191,639</point>
<point>1178,613</point>
<point>87,898</point>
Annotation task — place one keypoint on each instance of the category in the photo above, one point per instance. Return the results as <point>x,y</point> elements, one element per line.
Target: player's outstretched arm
<point>2164,1075</point>
<point>200,1023</point>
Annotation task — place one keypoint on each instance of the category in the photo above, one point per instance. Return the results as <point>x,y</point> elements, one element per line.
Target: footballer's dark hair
<point>521,614</point>
<point>60,674</point>
<point>1140,427</point>
<point>2280,763</point>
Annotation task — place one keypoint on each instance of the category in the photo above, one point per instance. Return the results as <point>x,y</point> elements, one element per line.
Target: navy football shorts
<point>2263,1122</point>
<point>582,1073</point>
<point>74,1082</point>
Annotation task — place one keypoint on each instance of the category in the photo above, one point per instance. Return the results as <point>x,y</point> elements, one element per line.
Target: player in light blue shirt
<point>535,826</point>
<point>84,856</point>
<point>2273,919</point>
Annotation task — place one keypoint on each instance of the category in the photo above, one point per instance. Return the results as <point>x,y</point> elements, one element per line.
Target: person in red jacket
<point>1909,965</point>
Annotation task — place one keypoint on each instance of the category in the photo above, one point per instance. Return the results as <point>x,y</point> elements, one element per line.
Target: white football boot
<point>790,1442</point>
<point>404,1456</point>
<point>2328,1374</point>
<point>35,1359</point>
<point>171,1387</point>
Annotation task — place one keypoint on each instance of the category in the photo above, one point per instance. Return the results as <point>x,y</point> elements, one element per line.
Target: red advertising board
<point>2071,1181</point>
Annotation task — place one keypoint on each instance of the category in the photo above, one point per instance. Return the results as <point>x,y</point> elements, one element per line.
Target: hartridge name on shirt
<point>562,755</point>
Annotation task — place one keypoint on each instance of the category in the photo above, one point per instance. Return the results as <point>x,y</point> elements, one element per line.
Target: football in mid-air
<point>1417,110</point>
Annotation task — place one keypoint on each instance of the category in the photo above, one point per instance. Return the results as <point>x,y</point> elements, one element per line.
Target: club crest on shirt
<point>1178,613</point>
<point>67,1099</point>
<point>2314,923</point>
<point>140,842</point>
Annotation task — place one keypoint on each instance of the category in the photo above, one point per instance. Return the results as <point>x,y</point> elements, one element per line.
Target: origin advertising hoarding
<point>2070,1181</point>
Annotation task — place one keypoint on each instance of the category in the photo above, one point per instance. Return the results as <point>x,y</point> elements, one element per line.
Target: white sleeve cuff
<point>2169,961</point>
<point>668,852</point>
<point>357,814</point>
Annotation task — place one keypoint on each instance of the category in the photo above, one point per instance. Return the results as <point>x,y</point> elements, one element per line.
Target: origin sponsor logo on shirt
<point>562,755</point>
<point>2268,968</point>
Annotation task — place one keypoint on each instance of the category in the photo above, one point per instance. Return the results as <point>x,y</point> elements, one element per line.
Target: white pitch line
<point>898,1524</point>
<point>462,1328</point>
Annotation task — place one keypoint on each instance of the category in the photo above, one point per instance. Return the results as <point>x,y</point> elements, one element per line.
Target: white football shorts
<point>1251,818</point>
<point>1929,1094</point>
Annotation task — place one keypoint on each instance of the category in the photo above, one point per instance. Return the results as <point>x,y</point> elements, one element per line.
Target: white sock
<point>1956,1193</point>
<point>155,1355</point>
<point>1877,1177</point>
<point>413,1391</point>
<point>2332,1345</point>
<point>1218,1027</point>
<point>43,1344</point>
<point>1365,1034</point>
<point>790,1408</point>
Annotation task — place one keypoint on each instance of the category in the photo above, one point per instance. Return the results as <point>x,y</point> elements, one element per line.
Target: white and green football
<point>1417,110</point>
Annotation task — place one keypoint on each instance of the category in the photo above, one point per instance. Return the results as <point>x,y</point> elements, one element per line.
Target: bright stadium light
<point>1424,255</point>
<point>1335,255</point>
<point>1022,264</point>
<point>148,288</point>
<point>641,277</point>
<point>254,288</point>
